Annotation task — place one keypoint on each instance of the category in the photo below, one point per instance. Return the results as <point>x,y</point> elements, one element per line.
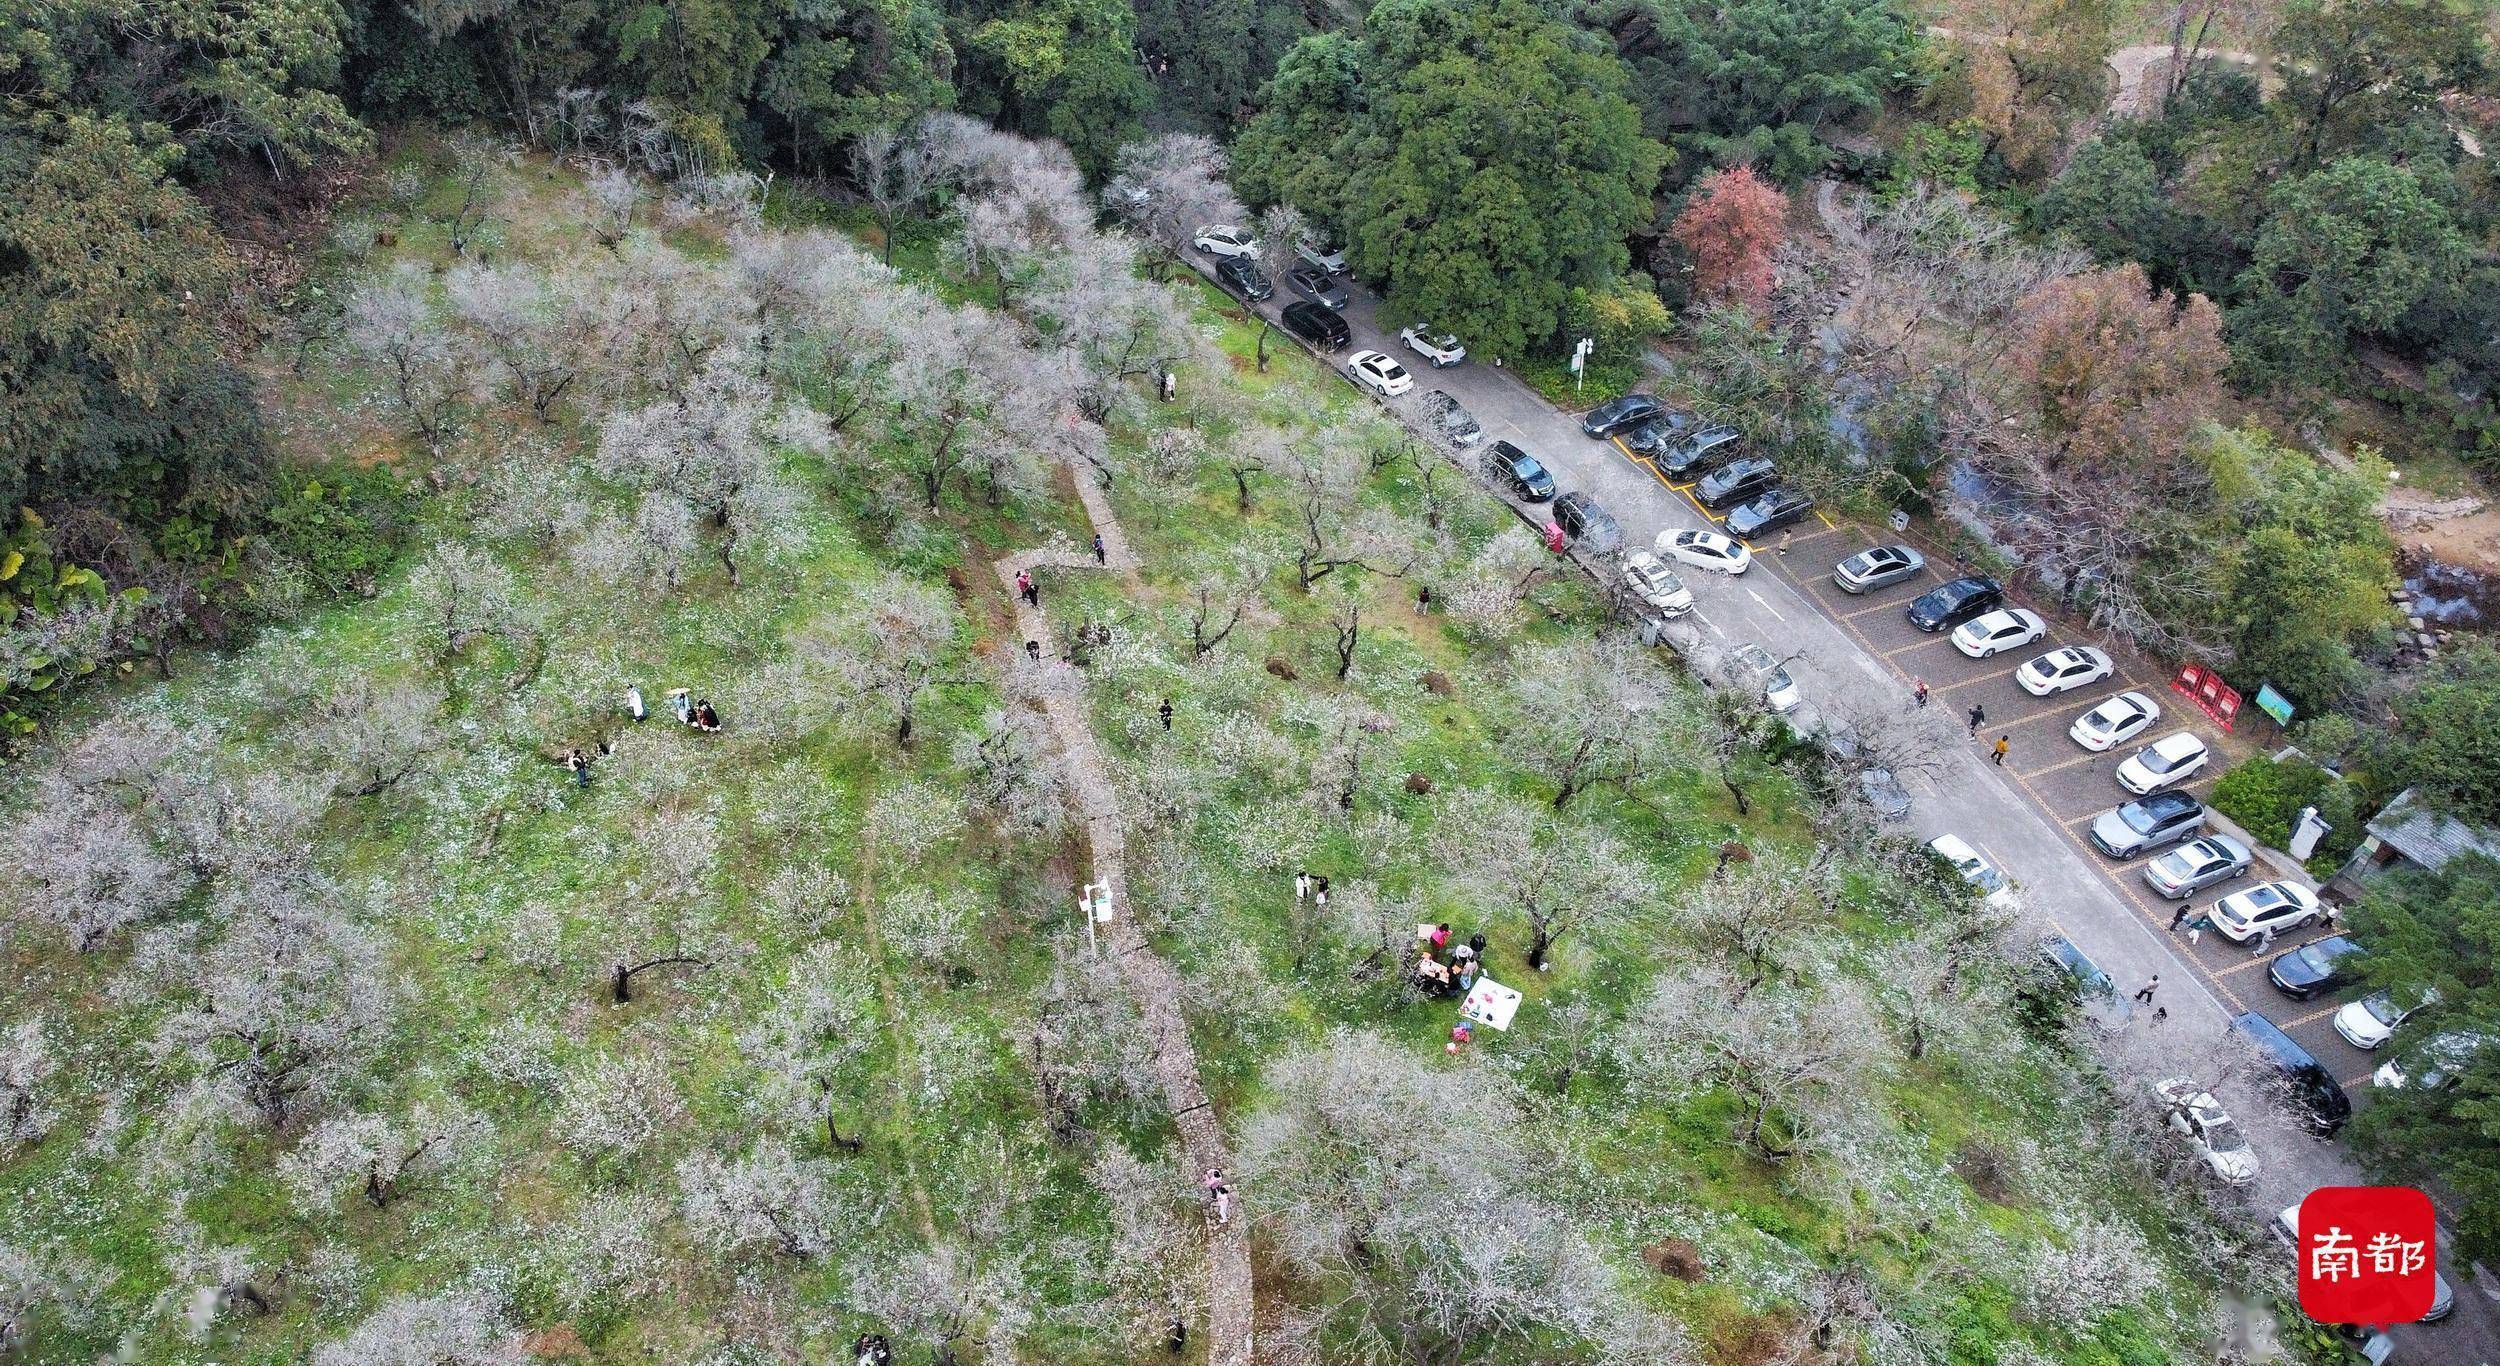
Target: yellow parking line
<point>2319,1014</point>
<point>2062,766</point>
<point>1828,524</point>
<point>1916,644</point>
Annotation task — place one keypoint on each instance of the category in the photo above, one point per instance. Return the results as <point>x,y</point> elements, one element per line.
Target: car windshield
<point>1982,875</point>
<point>2315,961</point>
<point>2223,1136</point>
<point>2159,762</point>
<point>2382,1008</point>
<point>2139,817</point>
<point>1527,466</point>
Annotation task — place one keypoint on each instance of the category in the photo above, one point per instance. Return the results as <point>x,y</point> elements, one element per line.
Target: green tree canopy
<point>1482,161</point>
<point>1754,79</point>
<point>2447,734</point>
<point>2440,931</point>
<point>2354,69</point>
<point>1064,69</point>
<point>2346,252</point>
<point>2301,559</point>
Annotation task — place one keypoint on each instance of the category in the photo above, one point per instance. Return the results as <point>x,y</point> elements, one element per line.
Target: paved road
<point>2028,817</point>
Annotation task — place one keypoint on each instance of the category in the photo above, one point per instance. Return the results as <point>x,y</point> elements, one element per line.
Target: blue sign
<point>2274,704</point>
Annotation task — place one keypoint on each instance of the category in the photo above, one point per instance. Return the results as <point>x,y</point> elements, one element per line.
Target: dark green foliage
<point>2440,931</point>
<point>1208,58</point>
<point>1757,81</point>
<point>1480,158</point>
<point>343,527</point>
<point>1064,69</point>
<point>2448,731</point>
<point>2266,795</point>
<point>2354,251</point>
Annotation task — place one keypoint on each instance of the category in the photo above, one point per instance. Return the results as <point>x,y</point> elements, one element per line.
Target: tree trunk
<point>1540,941</point>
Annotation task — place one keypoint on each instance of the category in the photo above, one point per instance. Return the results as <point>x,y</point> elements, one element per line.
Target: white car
<point>2278,907</point>
<point>1223,239</point>
<point>1974,868</point>
<point>1706,550</point>
<point>1779,690</point>
<point>1657,585</point>
<point>2195,1115</point>
<point>1321,255</point>
<point>2116,721</point>
<point>2166,762</point>
<point>1998,632</point>
<point>2372,1020</point>
<point>1380,373</point>
<point>1434,345</point>
<point>2076,666</point>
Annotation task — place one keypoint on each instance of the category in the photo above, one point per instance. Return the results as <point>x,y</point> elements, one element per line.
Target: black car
<point>2148,823</point>
<point>2314,968</point>
<point>2311,1085</point>
<point>1321,327</point>
<point>1591,526</point>
<point>1697,451</point>
<point>1244,278</point>
<point>1654,437</point>
<point>1314,285</point>
<point>1520,472</point>
<point>1736,482</point>
<point>1778,508</point>
<point>1955,603</point>
<point>1620,414</point>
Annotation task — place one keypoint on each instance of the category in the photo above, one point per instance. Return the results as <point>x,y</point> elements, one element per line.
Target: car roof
<point>2263,1032</point>
<point>2177,743</point>
<point>2169,802</point>
<point>1953,847</point>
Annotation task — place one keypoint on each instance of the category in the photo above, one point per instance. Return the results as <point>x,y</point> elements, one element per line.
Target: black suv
<point>1955,603</point>
<point>1617,414</point>
<point>1526,479</point>
<point>1773,510</point>
<point>1321,327</point>
<point>2312,1085</point>
<point>1736,482</point>
<point>1698,451</point>
<point>1245,278</point>
<point>1591,526</point>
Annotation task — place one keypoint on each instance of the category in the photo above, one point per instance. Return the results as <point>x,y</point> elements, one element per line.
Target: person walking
<point>1423,600</point>
<point>580,764</point>
<point>633,703</point>
<point>1301,887</point>
<point>681,704</point>
<point>1319,893</point>
<point>1165,711</point>
<point>1101,556</point>
<point>2001,747</point>
<point>1978,718</point>
<point>1918,692</point>
<point>2179,916</point>
<point>1223,1204</point>
<point>2265,941</point>
<point>1786,536</point>
<point>1033,650</point>
<point>2144,993</point>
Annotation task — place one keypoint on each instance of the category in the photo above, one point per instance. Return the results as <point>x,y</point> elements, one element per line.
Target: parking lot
<point>2068,783</point>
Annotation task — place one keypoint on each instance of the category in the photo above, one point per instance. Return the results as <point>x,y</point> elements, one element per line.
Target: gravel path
<point>1151,981</point>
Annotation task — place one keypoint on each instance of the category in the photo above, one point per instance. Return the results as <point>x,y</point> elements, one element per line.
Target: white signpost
<point>1580,363</point>
<point>1094,903</point>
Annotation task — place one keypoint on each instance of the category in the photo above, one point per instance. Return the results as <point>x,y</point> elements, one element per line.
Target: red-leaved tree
<point>1730,227</point>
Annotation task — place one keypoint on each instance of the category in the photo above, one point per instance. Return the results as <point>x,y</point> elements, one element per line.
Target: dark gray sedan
<point>2145,825</point>
<point>1314,285</point>
<point>1878,567</point>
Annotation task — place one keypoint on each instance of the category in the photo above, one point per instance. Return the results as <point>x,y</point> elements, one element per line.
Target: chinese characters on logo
<point>2365,1254</point>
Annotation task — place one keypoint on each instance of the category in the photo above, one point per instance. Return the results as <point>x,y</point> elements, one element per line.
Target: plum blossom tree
<point>539,331</point>
<point>465,1326</point>
<point>369,734</point>
<point>899,169</point>
<point>27,1067</point>
<point>464,596</point>
<point>1589,716</point>
<point>287,1004</point>
<point>1009,774</point>
<point>1170,186</point>
<point>823,1019</point>
<point>944,1297</point>
<point>1563,877</point>
<point>891,644</point>
<point>377,1157</point>
<point>709,449</point>
<point>767,1199</point>
<point>1797,1059</point>
<point>391,325</point>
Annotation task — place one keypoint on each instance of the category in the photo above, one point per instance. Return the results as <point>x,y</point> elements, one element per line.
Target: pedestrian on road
<point>1785,537</point>
<point>2265,941</point>
<point>1100,556</point>
<point>2002,745</point>
<point>2179,916</point>
<point>2145,992</point>
<point>1165,711</point>
<point>1033,650</point>
<point>1213,1179</point>
<point>1978,718</point>
<point>1919,692</point>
